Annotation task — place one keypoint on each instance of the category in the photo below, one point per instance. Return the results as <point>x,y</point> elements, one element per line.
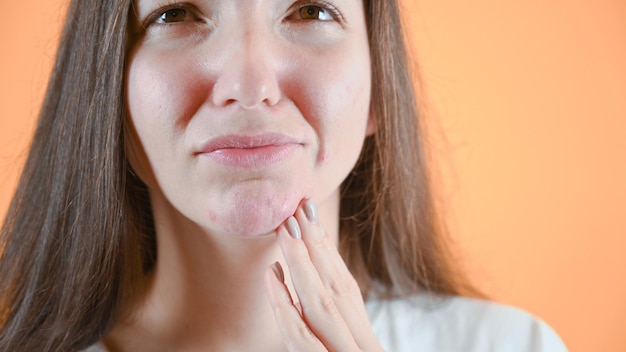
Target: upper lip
<point>234,141</point>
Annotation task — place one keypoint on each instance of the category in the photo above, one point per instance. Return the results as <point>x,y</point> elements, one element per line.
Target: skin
<point>225,233</point>
<point>248,68</point>
<point>330,314</point>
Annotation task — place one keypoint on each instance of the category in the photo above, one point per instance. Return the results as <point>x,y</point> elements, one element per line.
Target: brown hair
<point>390,230</point>
<point>78,238</point>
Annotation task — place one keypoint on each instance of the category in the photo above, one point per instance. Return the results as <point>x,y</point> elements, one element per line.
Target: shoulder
<point>458,324</point>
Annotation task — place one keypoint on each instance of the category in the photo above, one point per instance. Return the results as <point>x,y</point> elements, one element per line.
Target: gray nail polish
<point>278,270</point>
<point>293,228</point>
<point>310,210</point>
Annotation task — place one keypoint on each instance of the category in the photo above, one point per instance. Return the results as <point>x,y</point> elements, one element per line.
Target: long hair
<point>78,239</point>
<point>72,241</point>
<point>391,233</point>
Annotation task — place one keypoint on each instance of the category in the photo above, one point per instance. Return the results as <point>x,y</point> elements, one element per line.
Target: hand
<point>328,313</point>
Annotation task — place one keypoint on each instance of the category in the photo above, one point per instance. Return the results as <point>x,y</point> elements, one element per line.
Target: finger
<point>324,254</point>
<point>296,334</point>
<point>334,274</point>
<point>318,308</point>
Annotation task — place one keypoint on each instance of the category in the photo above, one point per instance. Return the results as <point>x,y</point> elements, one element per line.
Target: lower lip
<point>252,158</point>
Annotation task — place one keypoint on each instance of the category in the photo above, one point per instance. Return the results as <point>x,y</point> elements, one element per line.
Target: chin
<point>253,218</point>
<point>252,229</point>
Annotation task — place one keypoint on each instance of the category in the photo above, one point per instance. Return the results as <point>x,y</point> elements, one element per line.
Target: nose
<point>248,76</point>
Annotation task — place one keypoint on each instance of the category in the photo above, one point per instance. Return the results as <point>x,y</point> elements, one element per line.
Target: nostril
<point>229,102</point>
<point>248,81</point>
<point>248,91</point>
<point>258,95</point>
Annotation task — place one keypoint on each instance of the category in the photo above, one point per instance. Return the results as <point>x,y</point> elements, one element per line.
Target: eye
<point>173,16</point>
<point>312,12</point>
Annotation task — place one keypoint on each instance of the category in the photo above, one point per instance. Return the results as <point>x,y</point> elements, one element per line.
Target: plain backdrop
<point>528,102</point>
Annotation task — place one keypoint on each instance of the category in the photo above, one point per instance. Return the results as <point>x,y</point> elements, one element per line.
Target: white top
<point>430,324</point>
<point>457,324</point>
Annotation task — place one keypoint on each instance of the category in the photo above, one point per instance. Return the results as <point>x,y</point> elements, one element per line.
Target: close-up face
<point>243,108</point>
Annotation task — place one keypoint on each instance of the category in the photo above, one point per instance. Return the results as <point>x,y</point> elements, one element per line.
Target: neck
<point>206,291</point>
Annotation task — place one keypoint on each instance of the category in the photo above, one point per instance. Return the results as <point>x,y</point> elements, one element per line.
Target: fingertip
<point>278,272</point>
<point>293,228</point>
<point>310,211</point>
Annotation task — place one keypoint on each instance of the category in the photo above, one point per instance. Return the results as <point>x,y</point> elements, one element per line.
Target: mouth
<point>251,152</point>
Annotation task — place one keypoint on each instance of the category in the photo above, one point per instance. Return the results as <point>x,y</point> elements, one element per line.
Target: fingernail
<point>278,271</point>
<point>293,228</point>
<point>310,210</point>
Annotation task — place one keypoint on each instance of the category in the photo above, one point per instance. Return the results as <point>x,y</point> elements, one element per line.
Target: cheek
<point>334,100</point>
<point>336,104</point>
<point>163,90</point>
<point>152,88</point>
<point>326,83</point>
<point>162,95</point>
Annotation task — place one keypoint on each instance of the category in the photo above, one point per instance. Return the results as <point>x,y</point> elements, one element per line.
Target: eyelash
<point>154,16</point>
<point>323,5</point>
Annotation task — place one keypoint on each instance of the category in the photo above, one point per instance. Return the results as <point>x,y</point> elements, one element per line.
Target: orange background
<point>531,96</point>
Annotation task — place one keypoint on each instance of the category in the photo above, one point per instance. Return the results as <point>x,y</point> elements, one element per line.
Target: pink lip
<point>249,151</point>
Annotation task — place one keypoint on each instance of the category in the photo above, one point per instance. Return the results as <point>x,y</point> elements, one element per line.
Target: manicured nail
<point>310,210</point>
<point>293,228</point>
<point>278,271</point>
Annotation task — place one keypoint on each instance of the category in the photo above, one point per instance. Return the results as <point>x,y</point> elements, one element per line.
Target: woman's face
<point>245,107</point>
